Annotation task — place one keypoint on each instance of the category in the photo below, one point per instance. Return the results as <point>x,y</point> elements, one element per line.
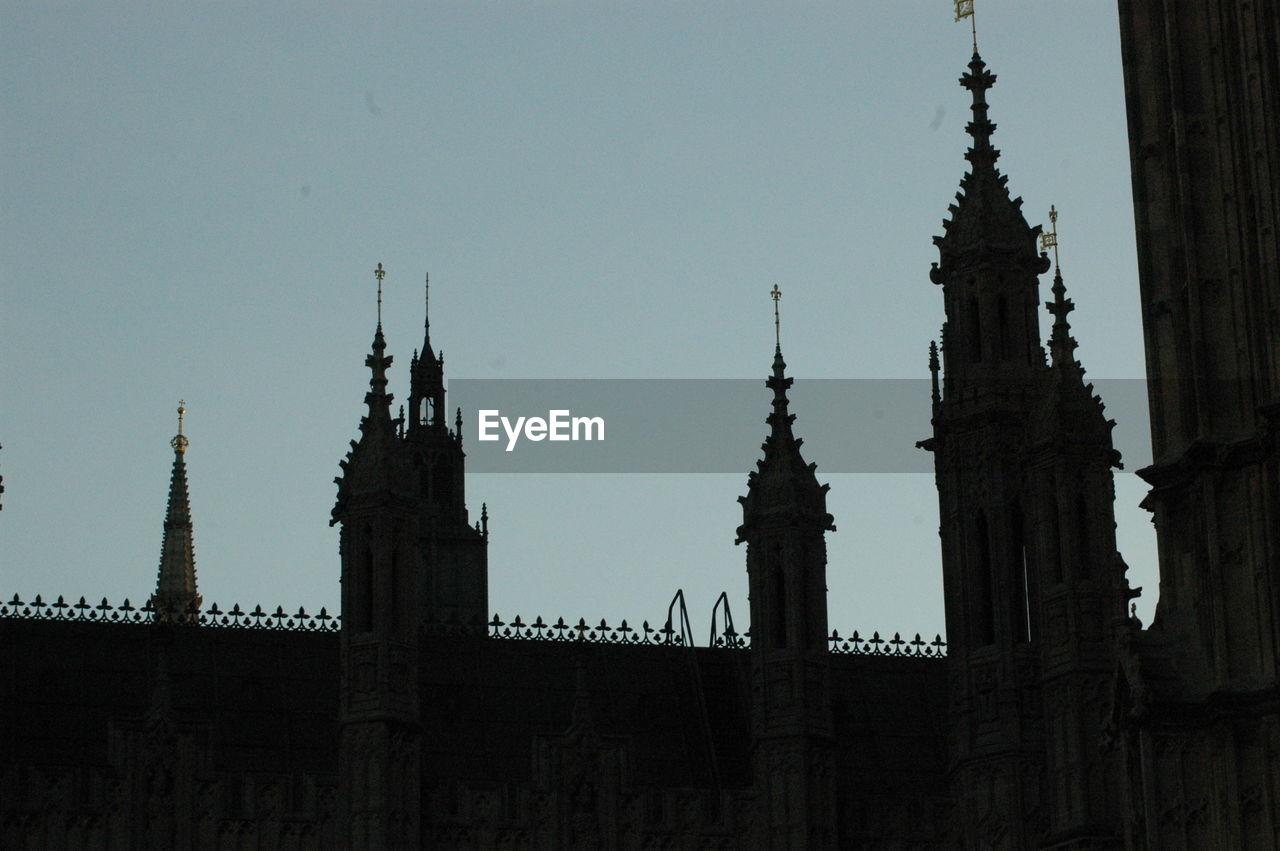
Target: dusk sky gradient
<point>196,194</point>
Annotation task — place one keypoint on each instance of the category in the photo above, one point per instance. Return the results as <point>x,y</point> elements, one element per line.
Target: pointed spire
<point>782,483</point>
<point>1069,408</point>
<point>984,217</point>
<point>175,591</point>
<point>426,379</point>
<point>1062,345</point>
<point>378,399</point>
<point>978,80</point>
<point>426,316</point>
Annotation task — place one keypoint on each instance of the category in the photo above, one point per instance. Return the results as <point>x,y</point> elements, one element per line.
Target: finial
<point>964,9</point>
<point>776,294</point>
<point>1061,343</point>
<point>379,273</point>
<point>426,304</point>
<point>180,442</point>
<point>1050,239</point>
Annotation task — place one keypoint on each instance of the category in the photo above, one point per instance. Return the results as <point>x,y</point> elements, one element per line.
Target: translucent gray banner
<point>860,425</point>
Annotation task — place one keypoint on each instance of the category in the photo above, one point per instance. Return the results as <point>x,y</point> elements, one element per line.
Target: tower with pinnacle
<point>454,589</point>
<point>410,561</point>
<point>1033,585</point>
<point>784,523</point>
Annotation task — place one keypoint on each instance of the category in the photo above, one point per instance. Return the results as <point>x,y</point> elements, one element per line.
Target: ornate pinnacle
<point>180,442</point>
<point>977,80</point>
<point>1061,344</point>
<point>378,400</point>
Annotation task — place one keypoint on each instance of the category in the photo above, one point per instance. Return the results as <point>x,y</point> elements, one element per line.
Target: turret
<point>176,598</point>
<point>992,367</point>
<point>784,522</point>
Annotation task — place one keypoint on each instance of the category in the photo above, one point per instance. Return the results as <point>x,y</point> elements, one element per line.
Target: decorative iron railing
<point>515,630</point>
<point>896,646</point>
<point>602,633</point>
<point>104,612</point>
<point>623,633</point>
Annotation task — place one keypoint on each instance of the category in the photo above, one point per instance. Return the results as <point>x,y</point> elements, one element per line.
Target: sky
<point>196,196</point>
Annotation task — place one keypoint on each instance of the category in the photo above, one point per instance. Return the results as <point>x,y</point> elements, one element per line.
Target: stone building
<point>1052,720</point>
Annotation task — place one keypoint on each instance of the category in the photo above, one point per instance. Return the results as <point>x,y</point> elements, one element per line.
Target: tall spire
<point>176,593</point>
<point>1070,406</point>
<point>427,351</point>
<point>426,379</point>
<point>978,80</point>
<point>984,217</point>
<point>988,267</point>
<point>378,399</point>
<point>783,484</point>
<point>1061,344</point>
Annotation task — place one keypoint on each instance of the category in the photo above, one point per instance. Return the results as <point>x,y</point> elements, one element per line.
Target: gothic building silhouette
<point>1052,718</point>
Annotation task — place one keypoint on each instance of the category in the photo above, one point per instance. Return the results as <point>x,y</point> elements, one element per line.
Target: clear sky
<point>196,194</point>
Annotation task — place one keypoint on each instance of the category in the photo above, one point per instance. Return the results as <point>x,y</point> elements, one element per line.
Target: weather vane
<point>180,442</point>
<point>1050,239</point>
<point>379,273</point>
<point>777,322</point>
<point>964,9</point>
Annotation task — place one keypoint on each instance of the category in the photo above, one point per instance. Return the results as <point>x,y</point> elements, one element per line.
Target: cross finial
<point>379,273</point>
<point>180,442</point>
<point>964,9</point>
<point>776,294</point>
<point>1050,239</point>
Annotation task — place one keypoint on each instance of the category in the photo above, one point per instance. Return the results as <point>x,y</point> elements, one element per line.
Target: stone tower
<point>410,562</point>
<point>380,743</point>
<point>176,598</point>
<point>454,585</point>
<point>1033,585</point>
<point>784,521</point>
<point>1079,591</point>
<point>1196,696</point>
